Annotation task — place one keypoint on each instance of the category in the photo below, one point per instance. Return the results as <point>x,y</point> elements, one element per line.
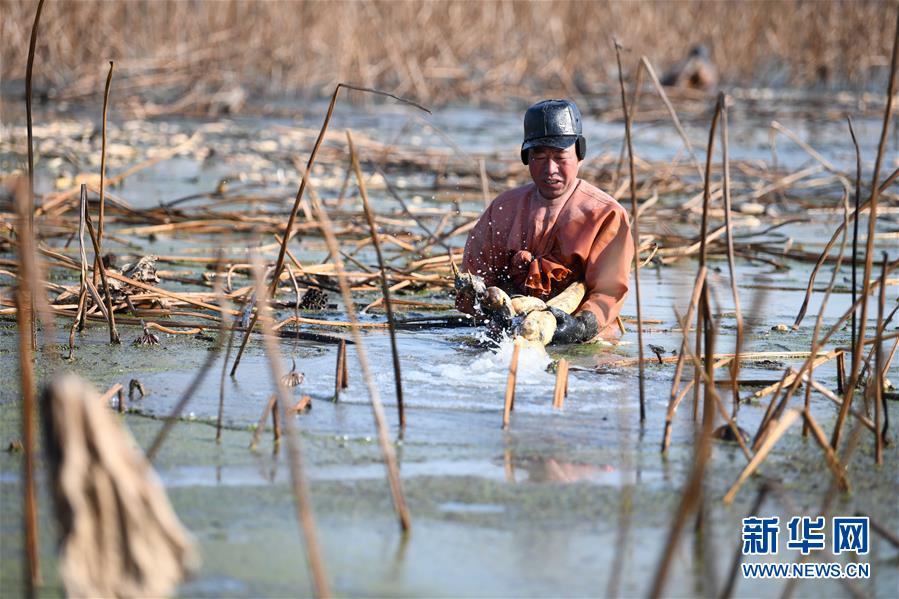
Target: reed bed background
<point>435,52</point>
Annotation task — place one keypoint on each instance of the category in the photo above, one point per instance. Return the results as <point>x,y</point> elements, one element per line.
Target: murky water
<point>553,507</point>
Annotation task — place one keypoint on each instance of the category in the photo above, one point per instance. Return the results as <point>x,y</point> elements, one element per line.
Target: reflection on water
<point>543,469</point>
<point>520,469</point>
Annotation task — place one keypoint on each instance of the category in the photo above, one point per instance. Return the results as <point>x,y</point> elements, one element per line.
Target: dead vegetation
<point>212,57</point>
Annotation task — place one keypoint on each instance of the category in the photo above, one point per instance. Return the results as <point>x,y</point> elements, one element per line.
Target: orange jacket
<point>525,244</point>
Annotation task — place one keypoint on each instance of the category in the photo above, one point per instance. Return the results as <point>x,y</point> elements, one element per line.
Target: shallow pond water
<point>568,502</point>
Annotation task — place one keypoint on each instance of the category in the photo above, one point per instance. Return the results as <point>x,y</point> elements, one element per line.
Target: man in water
<point>540,238</point>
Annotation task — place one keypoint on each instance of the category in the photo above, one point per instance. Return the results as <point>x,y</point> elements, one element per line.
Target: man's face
<point>553,170</point>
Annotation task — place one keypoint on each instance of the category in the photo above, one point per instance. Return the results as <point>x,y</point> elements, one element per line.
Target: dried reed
<point>858,195</point>
<point>25,294</point>
<point>385,288</point>
<point>635,218</point>
<point>29,75</point>
<point>778,429</point>
<point>732,269</point>
<point>509,400</point>
<point>101,218</point>
<point>869,248</point>
<point>387,449</point>
<point>880,408</point>
<point>703,310</point>
<point>341,371</point>
<point>300,486</point>
<point>180,55</point>
<point>691,496</point>
<point>560,391</point>
<point>98,264</point>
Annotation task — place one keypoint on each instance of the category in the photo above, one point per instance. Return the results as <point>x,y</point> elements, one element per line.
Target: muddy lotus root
<point>119,534</point>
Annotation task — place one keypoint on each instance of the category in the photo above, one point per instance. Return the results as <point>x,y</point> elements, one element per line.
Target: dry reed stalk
<point>101,218</point>
<point>698,286</point>
<point>485,182</point>
<point>704,543</point>
<point>560,392</point>
<point>303,403</point>
<point>224,329</point>
<point>509,401</point>
<point>185,398</point>
<point>791,377</point>
<point>778,429</point>
<point>635,217</point>
<point>838,402</point>
<point>387,449</point>
<point>302,502</point>
<point>385,288</point>
<point>858,193</point>
<point>288,229</point>
<point>813,361</point>
<point>744,356</point>
<point>808,149</point>
<point>195,384</point>
<point>703,309</point>
<point>677,399</point>
<point>830,494</point>
<point>341,373</point>
<point>625,512</point>
<point>692,494</point>
<point>869,248</point>
<point>183,297</point>
<point>870,357</point>
<point>707,374</point>
<point>735,365</point>
<point>343,324</point>
<point>29,71</point>
<point>731,583</point>
<point>159,327</point>
<point>104,276</point>
<point>833,462</point>
<point>107,396</point>
<point>880,408</point>
<point>841,364</point>
<point>276,425</point>
<point>25,293</point>
<point>827,293</point>
<point>827,247</point>
<point>268,409</point>
<point>78,320</point>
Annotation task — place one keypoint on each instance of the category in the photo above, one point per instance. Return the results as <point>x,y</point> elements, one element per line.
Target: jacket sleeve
<point>479,256</point>
<point>608,267</point>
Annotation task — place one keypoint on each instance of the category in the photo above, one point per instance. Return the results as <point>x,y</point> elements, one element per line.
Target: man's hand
<point>574,329</point>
